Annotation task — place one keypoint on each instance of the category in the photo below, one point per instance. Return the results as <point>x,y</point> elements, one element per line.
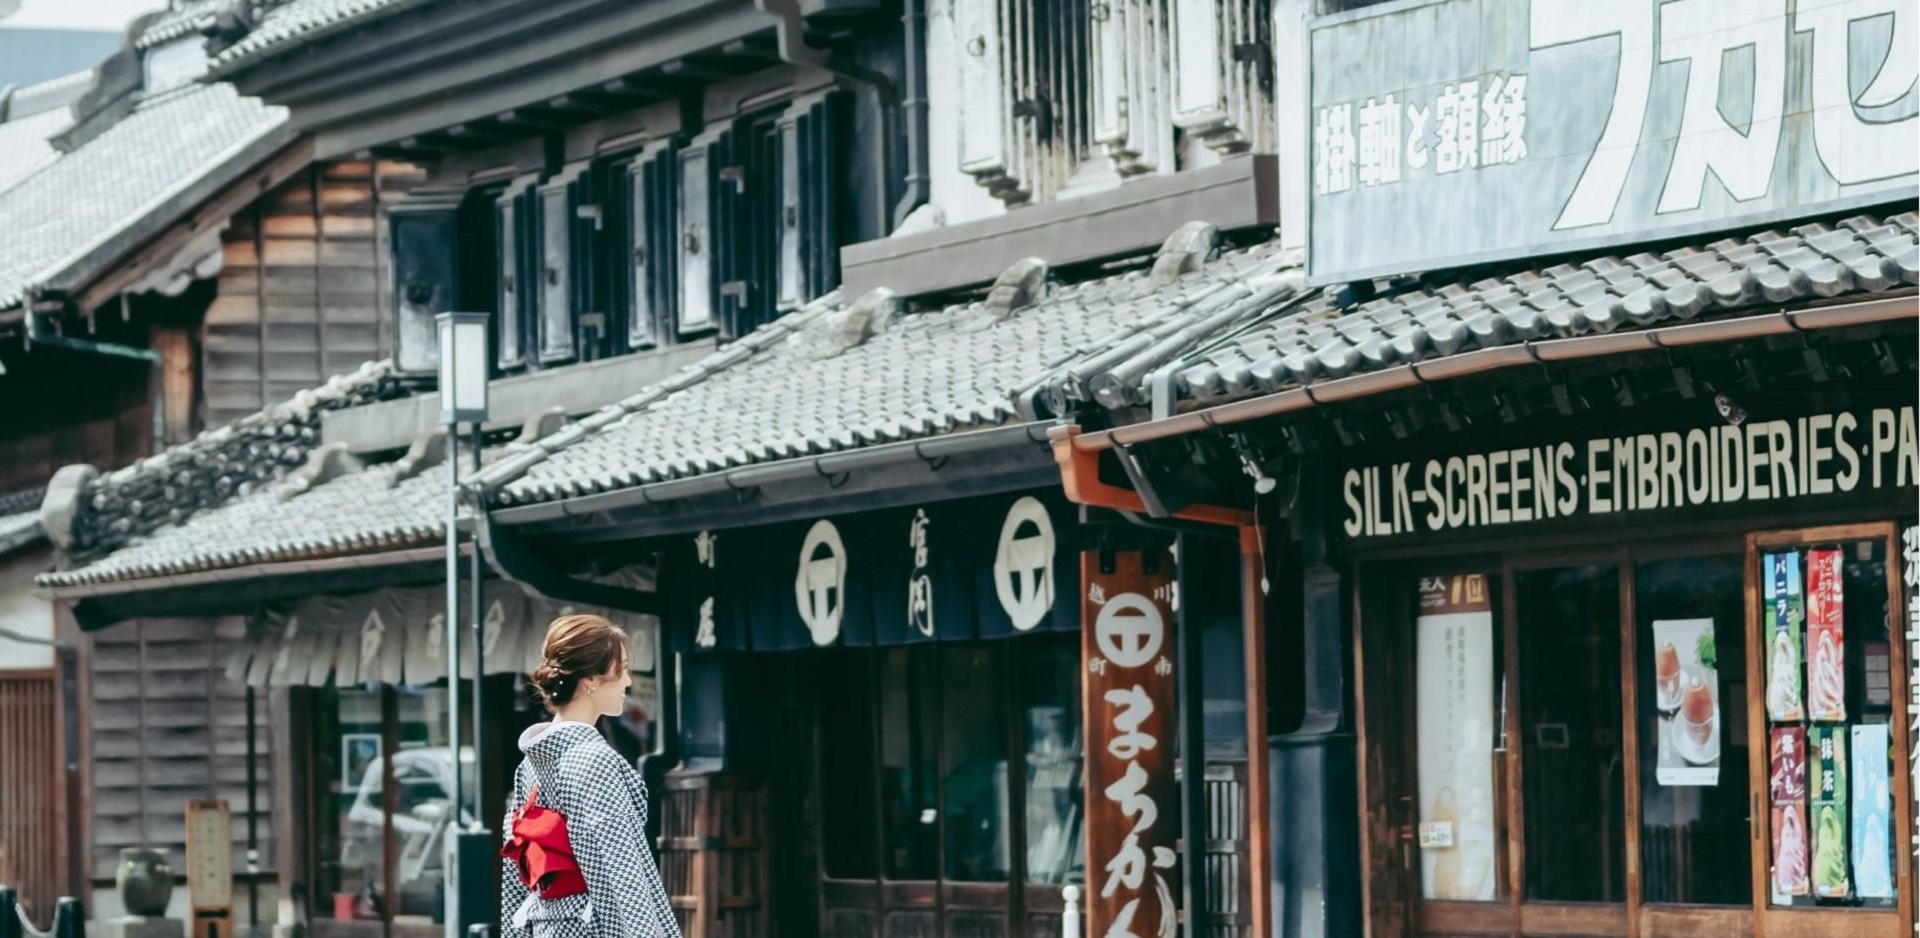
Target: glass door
<point>1827,647</point>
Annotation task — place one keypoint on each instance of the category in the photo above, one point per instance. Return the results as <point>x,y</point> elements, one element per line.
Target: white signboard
<point>1485,129</point>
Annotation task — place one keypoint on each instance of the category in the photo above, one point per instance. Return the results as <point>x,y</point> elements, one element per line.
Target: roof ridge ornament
<point>1186,250</point>
<point>837,331</point>
<point>324,464</point>
<point>1021,285</point>
<point>425,453</point>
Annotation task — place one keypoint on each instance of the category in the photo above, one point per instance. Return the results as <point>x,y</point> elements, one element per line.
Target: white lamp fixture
<point>463,367</point>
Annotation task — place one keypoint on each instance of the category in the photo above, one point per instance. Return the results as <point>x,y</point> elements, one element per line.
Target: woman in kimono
<point>578,865</point>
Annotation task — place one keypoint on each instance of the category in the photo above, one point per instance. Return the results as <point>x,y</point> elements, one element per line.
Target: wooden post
<point>1253,619</point>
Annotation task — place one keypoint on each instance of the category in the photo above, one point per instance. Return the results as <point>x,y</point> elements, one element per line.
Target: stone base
<point>140,926</point>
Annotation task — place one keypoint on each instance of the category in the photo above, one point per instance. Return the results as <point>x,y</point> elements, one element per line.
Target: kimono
<point>605,804</point>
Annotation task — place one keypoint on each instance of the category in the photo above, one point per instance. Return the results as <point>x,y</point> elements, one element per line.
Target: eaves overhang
<point>440,75</point>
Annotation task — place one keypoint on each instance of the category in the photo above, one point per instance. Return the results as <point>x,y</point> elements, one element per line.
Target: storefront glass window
<point>1050,694</point>
<point>351,874</point>
<point>1459,716</point>
<point>1829,709</point>
<point>975,786</point>
<point>909,762</point>
<point>1569,675</point>
<point>846,759</point>
<point>1694,790</point>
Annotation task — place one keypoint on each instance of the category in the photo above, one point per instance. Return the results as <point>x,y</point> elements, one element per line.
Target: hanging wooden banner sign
<point>1133,821</point>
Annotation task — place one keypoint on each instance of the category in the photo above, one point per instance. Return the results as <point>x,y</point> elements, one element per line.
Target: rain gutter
<point>1483,361</point>
<point>747,478</point>
<point>396,558</point>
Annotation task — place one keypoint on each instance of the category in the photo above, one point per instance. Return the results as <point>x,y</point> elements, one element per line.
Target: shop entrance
<point>1603,742</point>
<point>946,779</point>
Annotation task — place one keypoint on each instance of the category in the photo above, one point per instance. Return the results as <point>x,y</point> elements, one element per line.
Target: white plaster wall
<point>953,191</point>
<point>22,612</point>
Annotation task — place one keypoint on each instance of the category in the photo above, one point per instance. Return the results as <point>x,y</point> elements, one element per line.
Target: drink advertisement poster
<point>1787,786</point>
<point>1872,813</point>
<point>1780,578</point>
<point>1687,695</point>
<point>1826,638</point>
<point>1454,661</point>
<point>1827,786</point>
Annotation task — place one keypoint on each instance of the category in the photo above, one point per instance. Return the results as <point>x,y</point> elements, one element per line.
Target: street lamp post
<point>463,399</point>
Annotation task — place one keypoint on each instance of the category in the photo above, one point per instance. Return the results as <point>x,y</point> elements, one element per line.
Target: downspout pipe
<point>916,186</point>
<point>791,45</point>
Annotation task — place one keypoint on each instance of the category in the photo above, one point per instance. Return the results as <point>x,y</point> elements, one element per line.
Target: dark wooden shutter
<point>423,277</point>
<point>555,291</point>
<point>654,196</point>
<point>696,248</point>
<point>810,224</point>
<point>511,217</point>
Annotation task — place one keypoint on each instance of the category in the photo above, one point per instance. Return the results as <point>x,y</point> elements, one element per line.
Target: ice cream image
<point>1830,854</point>
<point>1783,679</point>
<point>1826,642</point>
<point>1826,683</point>
<point>1789,851</point>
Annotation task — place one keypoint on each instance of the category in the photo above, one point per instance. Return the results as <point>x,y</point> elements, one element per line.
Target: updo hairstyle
<point>577,647</point>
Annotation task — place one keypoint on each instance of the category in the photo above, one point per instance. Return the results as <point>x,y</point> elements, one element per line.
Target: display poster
<point>1783,611</point>
<point>1826,638</point>
<point>1787,793</point>
<point>1687,696</point>
<point>1827,760</point>
<point>1872,813</point>
<point>1455,723</point>
<point>1133,816</point>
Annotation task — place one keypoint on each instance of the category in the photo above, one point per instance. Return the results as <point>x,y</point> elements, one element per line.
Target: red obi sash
<point>538,846</point>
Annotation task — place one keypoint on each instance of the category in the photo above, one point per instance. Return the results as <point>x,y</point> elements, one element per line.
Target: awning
<point>398,636</point>
<point>976,568</point>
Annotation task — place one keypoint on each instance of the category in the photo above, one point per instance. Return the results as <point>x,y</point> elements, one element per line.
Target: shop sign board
<point>1479,130</point>
<point>986,567</point>
<point>1699,468</point>
<point>1133,819</point>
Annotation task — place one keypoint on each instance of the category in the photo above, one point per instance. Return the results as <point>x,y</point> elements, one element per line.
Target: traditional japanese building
<point>1271,469</point>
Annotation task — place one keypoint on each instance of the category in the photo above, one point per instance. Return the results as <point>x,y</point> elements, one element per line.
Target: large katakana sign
<point>1449,131</point>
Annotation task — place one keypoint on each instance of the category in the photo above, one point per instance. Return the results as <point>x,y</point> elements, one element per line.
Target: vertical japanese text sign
<point>1133,819</point>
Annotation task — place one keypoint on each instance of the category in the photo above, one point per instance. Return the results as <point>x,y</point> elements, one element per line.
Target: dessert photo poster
<point>1783,610</point>
<point>1455,723</point>
<point>1787,787</point>
<point>1826,638</point>
<point>1687,695</point>
<point>1827,761</point>
<point>1872,813</point>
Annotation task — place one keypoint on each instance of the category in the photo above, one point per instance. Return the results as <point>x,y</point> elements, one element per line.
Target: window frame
<point>1383,630</point>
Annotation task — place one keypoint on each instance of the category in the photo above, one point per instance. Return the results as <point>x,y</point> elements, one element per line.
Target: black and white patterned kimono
<point>605,804</point>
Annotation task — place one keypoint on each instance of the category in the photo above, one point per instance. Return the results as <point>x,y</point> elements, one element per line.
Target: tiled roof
<point>162,498</point>
<point>71,205</point>
<point>24,144</point>
<point>299,20</point>
<point>183,18</point>
<point>21,500</point>
<point>356,513</point>
<point>20,529</point>
<point>927,374</point>
<point>1603,293</point>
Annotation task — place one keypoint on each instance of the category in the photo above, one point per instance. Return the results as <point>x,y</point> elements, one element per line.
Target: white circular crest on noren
<point>1023,564</point>
<point>820,586</point>
<point>1129,630</point>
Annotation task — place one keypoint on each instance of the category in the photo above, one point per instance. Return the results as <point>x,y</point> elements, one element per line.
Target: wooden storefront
<point>883,730</point>
<point>1611,707</point>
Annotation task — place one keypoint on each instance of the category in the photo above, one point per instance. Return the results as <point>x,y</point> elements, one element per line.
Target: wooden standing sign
<point>210,868</point>
<point>1133,817</point>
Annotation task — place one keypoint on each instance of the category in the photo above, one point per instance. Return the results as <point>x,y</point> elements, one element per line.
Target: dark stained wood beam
<point>706,68</point>
<point>535,118</point>
<point>483,133</point>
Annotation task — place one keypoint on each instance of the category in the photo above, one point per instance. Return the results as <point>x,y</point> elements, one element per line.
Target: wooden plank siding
<point>30,789</point>
<point>168,727</point>
<point>302,295</point>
